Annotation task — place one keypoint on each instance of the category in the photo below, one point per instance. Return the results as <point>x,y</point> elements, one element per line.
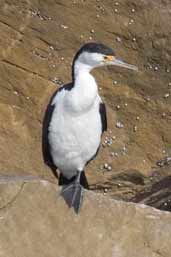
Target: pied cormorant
<point>75,120</point>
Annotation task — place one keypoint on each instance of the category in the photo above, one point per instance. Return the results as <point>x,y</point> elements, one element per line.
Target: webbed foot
<point>73,195</point>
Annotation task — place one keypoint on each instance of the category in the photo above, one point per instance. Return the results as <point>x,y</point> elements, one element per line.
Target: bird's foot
<point>73,194</point>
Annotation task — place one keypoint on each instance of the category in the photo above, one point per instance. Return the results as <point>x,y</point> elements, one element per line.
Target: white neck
<point>80,67</point>
<point>85,91</point>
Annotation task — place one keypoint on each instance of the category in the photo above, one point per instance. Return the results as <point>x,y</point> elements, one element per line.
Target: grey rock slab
<point>37,222</point>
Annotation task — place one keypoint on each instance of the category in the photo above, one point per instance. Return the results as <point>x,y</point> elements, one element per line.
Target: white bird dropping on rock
<point>166,95</point>
<point>106,165</point>
<point>156,68</point>
<point>109,168</point>
<point>64,26</point>
<point>135,128</point>
<point>114,82</point>
<point>118,107</point>
<point>118,39</point>
<point>119,124</point>
<point>105,190</point>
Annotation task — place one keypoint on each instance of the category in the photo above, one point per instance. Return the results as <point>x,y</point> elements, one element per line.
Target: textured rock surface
<point>35,221</point>
<point>38,41</point>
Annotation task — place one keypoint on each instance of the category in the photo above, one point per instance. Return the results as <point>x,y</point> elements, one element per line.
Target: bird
<point>75,120</point>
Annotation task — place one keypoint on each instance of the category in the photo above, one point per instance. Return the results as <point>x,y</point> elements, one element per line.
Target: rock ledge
<point>35,221</point>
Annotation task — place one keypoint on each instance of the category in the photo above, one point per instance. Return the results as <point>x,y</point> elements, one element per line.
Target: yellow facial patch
<point>109,58</point>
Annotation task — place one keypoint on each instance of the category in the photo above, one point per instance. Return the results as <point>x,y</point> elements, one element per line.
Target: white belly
<point>74,139</point>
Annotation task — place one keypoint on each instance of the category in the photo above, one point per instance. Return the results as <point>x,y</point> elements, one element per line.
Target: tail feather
<point>83,180</point>
<point>64,181</point>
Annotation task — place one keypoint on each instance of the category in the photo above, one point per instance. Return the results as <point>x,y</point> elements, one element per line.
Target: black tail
<point>83,180</point>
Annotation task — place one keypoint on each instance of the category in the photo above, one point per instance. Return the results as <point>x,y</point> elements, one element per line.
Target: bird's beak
<point>120,63</point>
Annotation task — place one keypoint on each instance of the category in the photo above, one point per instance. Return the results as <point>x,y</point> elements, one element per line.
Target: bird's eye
<point>108,58</point>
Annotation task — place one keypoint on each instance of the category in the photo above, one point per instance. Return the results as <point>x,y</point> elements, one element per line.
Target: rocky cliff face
<point>37,44</point>
<point>36,222</point>
<point>38,41</point>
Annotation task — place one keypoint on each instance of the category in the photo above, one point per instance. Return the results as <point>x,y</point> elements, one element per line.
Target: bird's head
<point>92,55</point>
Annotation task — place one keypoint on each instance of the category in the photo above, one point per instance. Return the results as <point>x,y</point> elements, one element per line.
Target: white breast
<point>74,135</point>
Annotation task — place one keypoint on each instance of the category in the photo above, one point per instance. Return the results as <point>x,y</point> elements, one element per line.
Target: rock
<point>38,42</point>
<point>157,190</point>
<point>157,195</point>
<point>132,176</point>
<point>36,221</point>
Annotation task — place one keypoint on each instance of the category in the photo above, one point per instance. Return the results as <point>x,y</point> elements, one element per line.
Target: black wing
<point>45,142</point>
<point>102,110</point>
<point>45,130</point>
